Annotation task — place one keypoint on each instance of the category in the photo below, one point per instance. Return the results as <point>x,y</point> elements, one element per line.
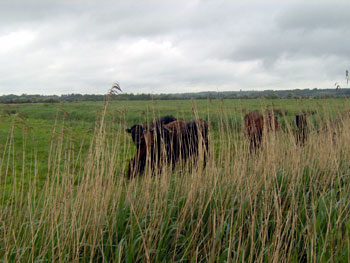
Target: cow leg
<point>255,142</point>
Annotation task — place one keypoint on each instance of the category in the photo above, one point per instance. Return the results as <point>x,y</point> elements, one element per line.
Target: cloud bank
<point>171,46</point>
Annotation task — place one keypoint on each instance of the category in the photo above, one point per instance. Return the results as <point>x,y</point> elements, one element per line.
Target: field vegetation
<point>64,196</point>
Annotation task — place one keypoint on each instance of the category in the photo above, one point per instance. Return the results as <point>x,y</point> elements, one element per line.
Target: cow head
<point>136,132</point>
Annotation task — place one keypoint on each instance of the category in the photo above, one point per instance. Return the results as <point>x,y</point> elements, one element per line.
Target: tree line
<point>268,94</point>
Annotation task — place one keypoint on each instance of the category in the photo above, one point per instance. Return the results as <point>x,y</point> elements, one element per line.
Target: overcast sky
<point>60,47</point>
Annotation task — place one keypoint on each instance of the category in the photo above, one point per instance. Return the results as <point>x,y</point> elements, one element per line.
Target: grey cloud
<point>272,45</point>
<point>163,46</point>
<point>302,30</point>
<point>312,16</point>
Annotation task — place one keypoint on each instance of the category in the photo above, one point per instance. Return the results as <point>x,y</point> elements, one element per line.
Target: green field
<point>35,122</point>
<point>64,196</point>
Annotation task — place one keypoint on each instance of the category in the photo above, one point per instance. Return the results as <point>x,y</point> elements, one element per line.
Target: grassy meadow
<point>64,196</point>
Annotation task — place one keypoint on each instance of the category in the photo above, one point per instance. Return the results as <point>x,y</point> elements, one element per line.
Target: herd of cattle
<point>168,140</point>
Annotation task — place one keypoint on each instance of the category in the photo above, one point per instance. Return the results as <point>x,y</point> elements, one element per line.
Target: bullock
<point>301,133</point>
<point>147,149</point>
<point>176,141</point>
<point>163,144</point>
<point>186,139</point>
<point>167,144</point>
<point>254,126</point>
<point>143,144</point>
<point>138,130</point>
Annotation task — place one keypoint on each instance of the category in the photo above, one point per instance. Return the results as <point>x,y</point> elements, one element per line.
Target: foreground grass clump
<point>283,204</point>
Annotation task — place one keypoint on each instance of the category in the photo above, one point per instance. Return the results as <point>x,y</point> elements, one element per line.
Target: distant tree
<point>272,96</point>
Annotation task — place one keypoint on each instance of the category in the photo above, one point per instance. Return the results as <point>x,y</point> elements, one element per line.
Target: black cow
<point>148,145</point>
<point>157,145</point>
<point>301,133</point>
<point>167,144</point>
<point>138,130</point>
<point>186,139</point>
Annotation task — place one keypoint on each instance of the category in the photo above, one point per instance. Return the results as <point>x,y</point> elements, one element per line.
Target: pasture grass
<point>72,202</point>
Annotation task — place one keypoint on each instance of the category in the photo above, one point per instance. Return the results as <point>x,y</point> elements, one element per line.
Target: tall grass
<point>284,203</point>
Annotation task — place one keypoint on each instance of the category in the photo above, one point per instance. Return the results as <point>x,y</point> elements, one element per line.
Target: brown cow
<point>175,125</point>
<point>254,127</point>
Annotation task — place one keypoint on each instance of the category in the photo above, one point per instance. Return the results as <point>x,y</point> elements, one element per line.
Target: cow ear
<point>128,130</point>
